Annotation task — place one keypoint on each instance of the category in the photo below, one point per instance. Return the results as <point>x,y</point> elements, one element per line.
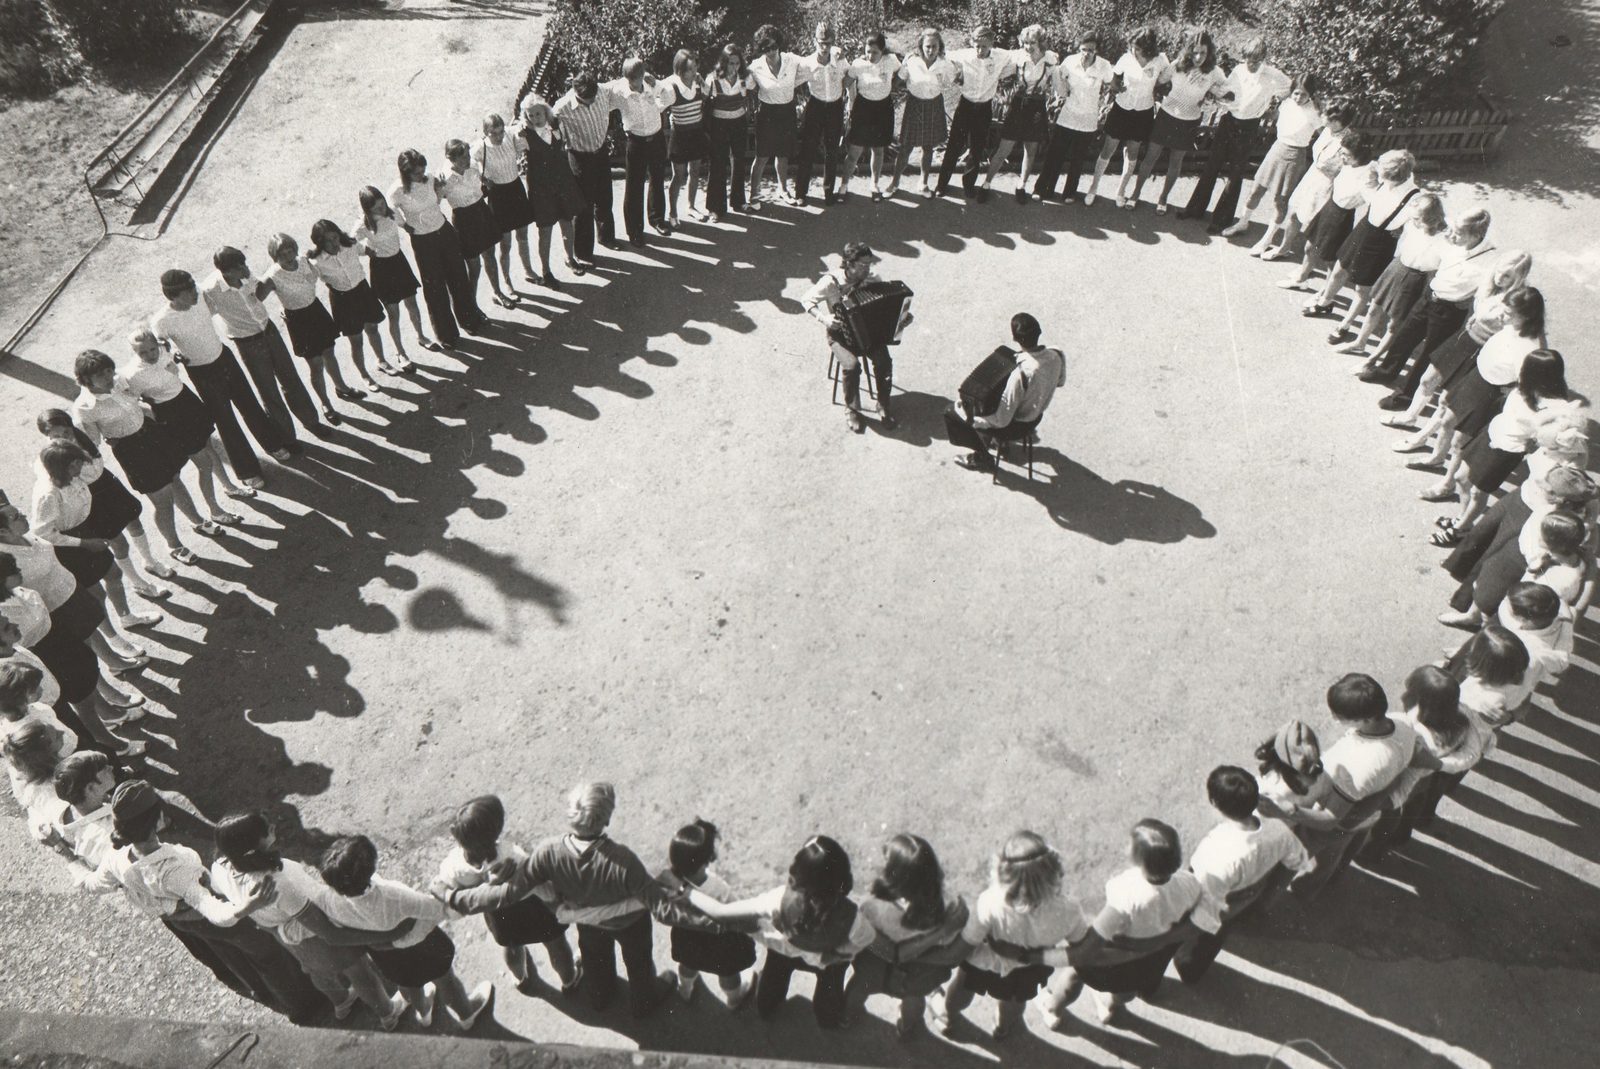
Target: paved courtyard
<point>626,536</point>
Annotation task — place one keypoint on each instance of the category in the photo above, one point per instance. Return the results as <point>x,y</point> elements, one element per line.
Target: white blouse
<point>295,289</point>
<point>1052,923</point>
<point>417,207</point>
<point>1297,123</point>
<point>462,189</point>
<point>1418,249</point>
<point>1139,909</point>
<point>341,271</point>
<point>875,78</point>
<point>111,415</point>
<point>57,509</point>
<point>1083,88</point>
<point>498,163</point>
<point>925,81</point>
<point>1139,81</point>
<point>382,239</point>
<point>1500,359</point>
<point>1351,186</point>
<point>1383,204</point>
<point>1189,88</point>
<point>776,86</point>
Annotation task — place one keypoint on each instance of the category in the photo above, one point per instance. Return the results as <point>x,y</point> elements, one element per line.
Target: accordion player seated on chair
<point>872,316</point>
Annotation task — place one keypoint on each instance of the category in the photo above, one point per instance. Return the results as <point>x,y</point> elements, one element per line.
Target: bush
<point>852,21</point>
<point>124,31</point>
<point>35,57</point>
<point>597,35</point>
<point>1387,56</point>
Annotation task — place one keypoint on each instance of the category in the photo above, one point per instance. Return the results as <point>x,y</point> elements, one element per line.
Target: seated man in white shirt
<point>1039,373</point>
<point>1239,865</point>
<point>821,301</point>
<point>1360,768</point>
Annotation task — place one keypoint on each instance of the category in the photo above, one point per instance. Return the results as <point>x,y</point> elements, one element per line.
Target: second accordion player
<point>871,316</point>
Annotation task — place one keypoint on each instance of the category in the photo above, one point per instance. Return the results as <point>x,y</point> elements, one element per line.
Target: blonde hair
<point>936,35</point>
<point>1029,869</point>
<point>534,102</point>
<point>1031,35</point>
<point>1514,265</point>
<point>1396,165</point>
<point>278,242</point>
<point>141,336</point>
<point>1428,212</point>
<point>589,808</point>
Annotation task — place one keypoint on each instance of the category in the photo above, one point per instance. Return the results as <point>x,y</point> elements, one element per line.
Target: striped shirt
<point>686,108</point>
<point>585,125</point>
<point>499,162</point>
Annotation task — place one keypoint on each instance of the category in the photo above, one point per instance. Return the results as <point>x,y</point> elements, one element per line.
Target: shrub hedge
<point>124,31</point>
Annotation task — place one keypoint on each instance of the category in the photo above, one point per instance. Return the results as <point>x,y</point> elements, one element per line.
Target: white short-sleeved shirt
<point>381,237</point>
<point>297,288</point>
<point>1500,359</point>
<point>861,932</point>
<point>1139,909</point>
<point>1361,766</point>
<point>380,907</point>
<point>1139,80</point>
<point>1232,857</point>
<point>875,79</point>
<point>154,382</point>
<point>460,873</point>
<point>981,76</point>
<point>927,81</point>
<point>341,271</point>
<point>1493,705</point>
<point>41,571</point>
<point>640,108</point>
<point>295,885</point>
<point>190,332</point>
<point>1351,186</point>
<point>1189,88</point>
<point>417,207</point>
<point>1418,249</point>
<point>58,509</point>
<point>161,881</point>
<point>1298,123</point>
<point>825,80</point>
<point>776,86</point>
<point>1083,88</point>
<point>462,189</point>
<point>1051,923</point>
<point>1477,743</point>
<point>1254,91</point>
<point>236,306</point>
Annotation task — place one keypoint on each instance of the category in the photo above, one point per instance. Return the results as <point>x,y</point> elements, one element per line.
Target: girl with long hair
<point>355,308</point>
<point>1133,110</point>
<point>312,332</point>
<point>928,75</point>
<point>1405,280</point>
<point>1183,86</point>
<point>732,95</point>
<point>462,187</point>
<point>436,248</point>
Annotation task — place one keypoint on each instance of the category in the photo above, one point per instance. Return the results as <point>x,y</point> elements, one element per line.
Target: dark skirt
<point>72,663</point>
<point>1125,125</point>
<point>1455,356</point>
<point>357,308</point>
<point>1398,289</point>
<point>924,123</point>
<point>392,282</point>
<point>553,193</point>
<point>509,202</point>
<point>718,953</point>
<point>88,566</point>
<point>1473,401</point>
<point>1169,131</point>
<point>522,923</point>
<point>311,330</point>
<point>185,421</point>
<point>111,508</point>
<point>872,122</point>
<point>476,228</point>
<point>1488,467</point>
<point>75,619</point>
<point>1018,985</point>
<point>150,457</point>
<point>777,134</point>
<point>900,979</point>
<point>1026,118</point>
<point>1329,230</point>
<point>1367,251</point>
<point>1121,973</point>
<point>416,965</point>
<point>688,143</point>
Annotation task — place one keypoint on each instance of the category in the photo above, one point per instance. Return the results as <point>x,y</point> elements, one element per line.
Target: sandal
<point>132,749</point>
<point>431,345</point>
<point>134,664</point>
<point>1437,496</point>
<point>1446,539</point>
<point>1340,335</point>
<point>184,555</point>
<point>576,268</point>
<point>503,301</point>
<point>1161,209</point>
<point>550,282</point>
<point>388,368</point>
<point>348,393</point>
<point>1432,467</point>
<point>1313,310</point>
<point>1445,523</point>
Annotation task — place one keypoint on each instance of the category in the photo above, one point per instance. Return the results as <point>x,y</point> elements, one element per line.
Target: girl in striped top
<point>732,89</point>
<point>498,156</point>
<point>688,143</point>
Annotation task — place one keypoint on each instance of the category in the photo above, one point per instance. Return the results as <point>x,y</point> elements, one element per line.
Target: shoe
<point>928,194</point>
<point>282,456</point>
<point>1339,336</point>
<point>132,749</point>
<point>1088,200</point>
<point>252,484</point>
<point>141,619</point>
<point>737,1000</point>
<point>391,1020</point>
<point>184,555</point>
<point>1105,1010</point>
<point>981,194</point>
<point>345,393</point>
<point>342,1010</point>
<point>1161,209</point>
<point>549,282</point>
<point>891,189</point>
<point>481,999</point>
<point>227,519</point>
<point>430,998</point>
<point>1395,403</point>
<point>331,417</point>
<point>1294,284</point>
<point>570,987</point>
<point>1313,310</point>
<point>852,420</point>
<point>132,706</point>
<point>611,243</point>
<point>686,986</point>
<point>134,664</point>
<point>208,528</point>
<point>1023,196</point>
<point>576,268</point>
<point>1379,375</point>
<point>149,591</point>
<point>713,217</point>
<point>529,985</point>
<point>972,462</point>
<point>1236,229</point>
<point>161,571</point>
<point>637,241</point>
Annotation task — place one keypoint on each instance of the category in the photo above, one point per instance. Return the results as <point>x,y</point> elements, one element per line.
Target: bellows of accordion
<point>873,314</point>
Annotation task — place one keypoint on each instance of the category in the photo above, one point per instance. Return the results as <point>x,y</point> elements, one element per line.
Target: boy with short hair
<point>1534,613</point>
<point>84,783</point>
<point>1360,767</point>
<point>1238,864</point>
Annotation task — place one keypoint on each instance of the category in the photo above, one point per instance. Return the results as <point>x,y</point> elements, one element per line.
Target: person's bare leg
<point>1330,288</point>
<point>544,249</point>
<point>1376,323</point>
<point>415,315</point>
<point>93,712</point>
<point>162,501</point>
<point>523,251</point>
<point>1291,237</point>
<point>569,237</point>
<point>758,171</point>
<point>503,251</point>
<point>208,471</point>
<point>559,951</point>
<point>1030,154</point>
<point>847,170</point>
<point>1002,153</point>
<point>1174,169</point>
<point>392,317</point>
<point>1358,304</point>
<point>1133,168</point>
<point>1101,163</point>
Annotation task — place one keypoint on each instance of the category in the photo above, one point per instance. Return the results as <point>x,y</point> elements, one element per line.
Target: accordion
<point>872,315</point>
<point>981,391</point>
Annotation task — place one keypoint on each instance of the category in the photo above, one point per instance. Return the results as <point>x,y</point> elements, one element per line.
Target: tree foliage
<point>124,31</point>
<point>597,35</point>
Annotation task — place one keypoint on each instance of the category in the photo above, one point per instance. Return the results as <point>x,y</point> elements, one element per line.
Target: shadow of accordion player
<point>863,315</point>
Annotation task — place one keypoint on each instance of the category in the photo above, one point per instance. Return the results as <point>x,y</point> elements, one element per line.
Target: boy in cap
<point>822,302</point>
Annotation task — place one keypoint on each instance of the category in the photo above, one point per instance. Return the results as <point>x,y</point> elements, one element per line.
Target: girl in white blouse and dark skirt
<point>498,156</point>
<point>1133,110</point>
<point>1370,245</point>
<point>462,186</point>
<point>1187,82</point>
<point>436,247</point>
<point>312,332</point>
<point>356,310</point>
<point>1285,163</point>
<point>389,273</point>
<point>871,110</point>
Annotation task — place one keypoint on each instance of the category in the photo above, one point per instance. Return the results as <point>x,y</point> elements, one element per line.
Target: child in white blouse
<point>1560,562</point>
<point>1019,930</point>
<point>379,235</point>
<point>462,186</point>
<point>1497,683</point>
<point>1421,243</point>
<point>727,954</point>
<point>32,747</point>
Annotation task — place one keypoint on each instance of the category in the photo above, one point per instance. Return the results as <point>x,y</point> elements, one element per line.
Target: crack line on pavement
<point>1233,342</point>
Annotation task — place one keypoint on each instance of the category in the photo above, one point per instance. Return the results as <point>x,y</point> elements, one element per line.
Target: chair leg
<point>1030,458</point>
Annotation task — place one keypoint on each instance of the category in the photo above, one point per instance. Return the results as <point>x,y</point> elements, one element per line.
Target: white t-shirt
<point>1298,123</point>
<point>1082,86</point>
<point>925,81</point>
<point>190,332</point>
<point>981,76</point>
<point>776,86</point>
<point>1139,81</point>
<point>382,906</point>
<point>1139,909</point>
<point>1189,88</point>
<point>1351,186</point>
<point>417,207</point>
<point>1232,857</point>
<point>1254,91</point>
<point>1052,923</point>
<point>1418,249</point>
<point>297,288</point>
<point>1361,766</point>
